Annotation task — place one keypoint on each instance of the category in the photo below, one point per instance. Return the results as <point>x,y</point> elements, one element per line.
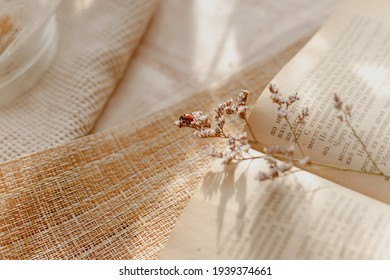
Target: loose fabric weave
<point>115,194</point>
<point>96,40</point>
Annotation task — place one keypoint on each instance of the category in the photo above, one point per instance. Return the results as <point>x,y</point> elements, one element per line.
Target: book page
<point>350,55</point>
<point>301,216</point>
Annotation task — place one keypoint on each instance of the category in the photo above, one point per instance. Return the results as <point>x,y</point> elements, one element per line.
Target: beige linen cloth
<point>96,41</point>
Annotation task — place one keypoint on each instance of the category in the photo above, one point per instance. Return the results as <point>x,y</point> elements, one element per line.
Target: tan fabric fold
<point>115,194</point>
<point>96,40</point>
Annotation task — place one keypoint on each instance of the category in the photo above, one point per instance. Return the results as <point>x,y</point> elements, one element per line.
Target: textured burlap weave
<point>96,40</point>
<point>115,194</point>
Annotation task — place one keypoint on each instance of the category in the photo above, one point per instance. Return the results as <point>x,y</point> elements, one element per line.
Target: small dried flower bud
<point>205,133</point>
<point>245,148</point>
<point>212,151</point>
<point>272,88</point>
<point>305,111</point>
<point>306,161</point>
<point>200,120</point>
<point>282,113</point>
<point>262,176</point>
<point>241,99</point>
<point>291,99</point>
<point>217,130</point>
<point>289,150</point>
<point>272,150</point>
<point>179,124</point>
<point>340,116</point>
<point>231,140</point>
<point>273,172</point>
<point>241,112</point>
<point>227,160</point>
<point>267,150</point>
<point>230,110</point>
<point>220,111</point>
<point>283,167</point>
<point>303,115</point>
<point>277,98</point>
<point>243,136</point>
<point>337,102</point>
<point>347,109</point>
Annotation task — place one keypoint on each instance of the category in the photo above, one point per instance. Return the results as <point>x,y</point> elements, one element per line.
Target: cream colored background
<point>193,43</point>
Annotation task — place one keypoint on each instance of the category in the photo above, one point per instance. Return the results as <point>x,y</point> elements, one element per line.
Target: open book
<point>304,216</point>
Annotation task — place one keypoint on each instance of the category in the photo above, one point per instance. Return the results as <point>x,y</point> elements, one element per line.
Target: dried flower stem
<point>346,113</point>
<point>279,159</point>
<point>323,166</point>
<point>313,164</point>
<point>293,131</point>
<point>365,149</point>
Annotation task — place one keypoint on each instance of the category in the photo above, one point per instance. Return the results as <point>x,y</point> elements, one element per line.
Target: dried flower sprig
<point>276,169</point>
<point>283,111</point>
<point>279,159</point>
<point>344,114</point>
<point>344,110</point>
<point>238,146</point>
<point>235,150</point>
<point>200,121</point>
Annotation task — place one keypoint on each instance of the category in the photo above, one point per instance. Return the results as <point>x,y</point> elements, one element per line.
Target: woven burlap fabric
<point>96,40</point>
<point>115,194</point>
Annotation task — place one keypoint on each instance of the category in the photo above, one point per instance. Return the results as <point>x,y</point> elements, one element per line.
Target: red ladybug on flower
<point>187,118</point>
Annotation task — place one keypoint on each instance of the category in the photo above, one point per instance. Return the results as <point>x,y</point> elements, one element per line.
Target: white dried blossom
<point>286,151</point>
<point>277,98</point>
<point>275,95</point>
<point>347,109</point>
<point>212,151</point>
<point>301,119</point>
<point>235,150</point>
<point>242,97</point>
<point>340,116</point>
<point>220,111</point>
<point>306,161</point>
<point>282,113</point>
<point>220,123</point>
<point>241,111</point>
<point>206,133</point>
<point>283,108</point>
<point>179,124</point>
<point>284,167</point>
<point>274,169</point>
<point>291,99</point>
<point>271,149</point>
<point>243,142</point>
<point>227,157</point>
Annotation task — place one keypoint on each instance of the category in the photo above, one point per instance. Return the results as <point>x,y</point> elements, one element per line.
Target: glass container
<point>28,43</point>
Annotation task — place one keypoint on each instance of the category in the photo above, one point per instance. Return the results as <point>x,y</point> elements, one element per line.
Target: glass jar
<point>28,43</point>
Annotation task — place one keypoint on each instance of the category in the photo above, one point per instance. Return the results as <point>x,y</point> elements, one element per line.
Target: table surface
<point>194,43</point>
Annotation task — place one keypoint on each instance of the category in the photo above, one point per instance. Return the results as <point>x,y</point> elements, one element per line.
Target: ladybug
<point>187,118</point>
